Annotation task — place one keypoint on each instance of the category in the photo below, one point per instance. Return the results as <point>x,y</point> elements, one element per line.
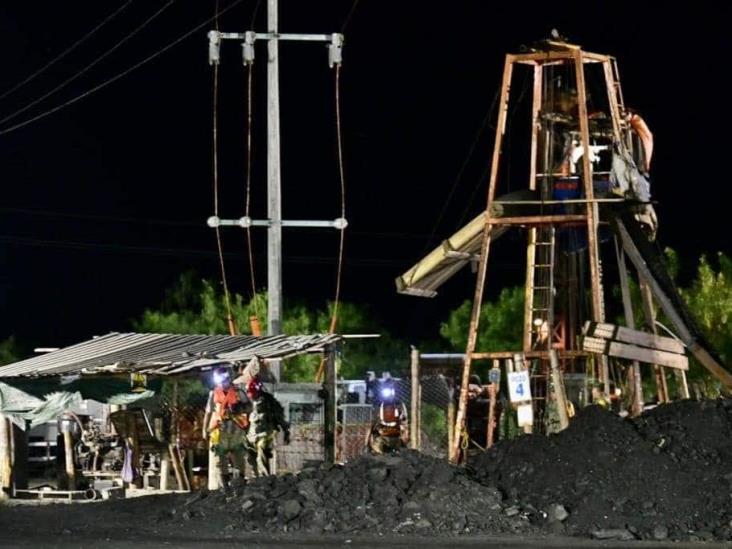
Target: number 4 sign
<point>519,389</point>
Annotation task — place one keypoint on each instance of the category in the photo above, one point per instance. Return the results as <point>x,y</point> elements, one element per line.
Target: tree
<point>501,322</point>
<point>9,351</point>
<point>710,301</point>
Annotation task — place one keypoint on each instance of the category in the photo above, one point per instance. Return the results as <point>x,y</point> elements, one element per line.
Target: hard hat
<point>221,374</point>
<point>254,387</point>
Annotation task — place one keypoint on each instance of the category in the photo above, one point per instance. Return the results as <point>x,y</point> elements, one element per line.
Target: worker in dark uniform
<point>266,418</point>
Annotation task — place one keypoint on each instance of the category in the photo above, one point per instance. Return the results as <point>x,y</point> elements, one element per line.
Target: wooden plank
<point>633,352</point>
<point>538,219</point>
<point>531,354</point>
<point>636,337</point>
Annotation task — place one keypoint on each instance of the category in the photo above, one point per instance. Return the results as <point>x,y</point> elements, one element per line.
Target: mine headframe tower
<point>569,181</point>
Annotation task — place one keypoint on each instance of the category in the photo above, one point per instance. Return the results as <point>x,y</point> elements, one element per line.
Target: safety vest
<point>390,417</point>
<point>224,402</point>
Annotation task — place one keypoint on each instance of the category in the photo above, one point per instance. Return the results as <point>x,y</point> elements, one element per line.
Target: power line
<point>90,65</point>
<point>67,51</point>
<point>458,177</point>
<point>92,217</point>
<point>120,75</point>
<point>347,20</point>
<point>184,252</point>
<point>196,225</point>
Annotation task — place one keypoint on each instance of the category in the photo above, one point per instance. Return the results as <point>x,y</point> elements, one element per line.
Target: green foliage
<point>195,306</point>
<point>434,424</point>
<point>501,323</point>
<point>710,300</point>
<point>9,351</point>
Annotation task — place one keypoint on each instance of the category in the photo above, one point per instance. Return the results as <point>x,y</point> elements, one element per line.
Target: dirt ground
<point>128,524</point>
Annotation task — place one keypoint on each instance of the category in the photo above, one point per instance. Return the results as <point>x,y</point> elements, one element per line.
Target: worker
<point>598,396</point>
<point>645,136</point>
<point>225,423</point>
<point>389,431</point>
<point>475,387</point>
<point>265,420</point>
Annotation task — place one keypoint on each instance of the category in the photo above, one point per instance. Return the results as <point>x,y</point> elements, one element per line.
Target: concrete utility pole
<point>274,221</point>
<point>274,192</point>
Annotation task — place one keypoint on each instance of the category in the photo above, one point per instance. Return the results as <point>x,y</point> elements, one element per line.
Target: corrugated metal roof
<point>162,354</point>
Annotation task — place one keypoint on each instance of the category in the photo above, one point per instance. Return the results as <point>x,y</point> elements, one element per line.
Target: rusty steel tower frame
<point>541,227</point>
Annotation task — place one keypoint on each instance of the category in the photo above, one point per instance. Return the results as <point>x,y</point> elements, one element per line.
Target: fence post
<point>414,403</point>
<point>329,405</point>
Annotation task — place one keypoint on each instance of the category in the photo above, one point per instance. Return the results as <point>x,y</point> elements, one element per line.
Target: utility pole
<point>274,192</point>
<point>274,221</point>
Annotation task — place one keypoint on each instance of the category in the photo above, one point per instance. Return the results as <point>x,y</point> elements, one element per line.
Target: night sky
<point>104,202</point>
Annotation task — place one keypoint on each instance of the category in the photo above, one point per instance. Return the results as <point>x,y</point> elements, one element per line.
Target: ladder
<point>539,307</point>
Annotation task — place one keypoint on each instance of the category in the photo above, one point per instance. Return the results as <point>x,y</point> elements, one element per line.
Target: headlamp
<point>220,377</point>
<point>387,392</point>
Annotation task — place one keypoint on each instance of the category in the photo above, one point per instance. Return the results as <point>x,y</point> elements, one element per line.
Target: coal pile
<point>664,475</point>
<point>404,494</point>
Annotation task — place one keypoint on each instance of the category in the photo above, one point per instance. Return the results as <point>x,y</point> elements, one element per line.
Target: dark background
<point>104,202</point>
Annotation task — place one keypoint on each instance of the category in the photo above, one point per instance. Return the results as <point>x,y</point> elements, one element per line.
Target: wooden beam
<point>560,395</point>
<point>538,219</point>
<point>633,352</point>
<point>549,56</point>
<point>635,374</point>
<point>636,337</point>
<point>531,354</point>
<point>650,313</point>
<point>413,423</point>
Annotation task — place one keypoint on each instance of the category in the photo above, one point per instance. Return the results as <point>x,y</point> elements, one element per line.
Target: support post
<point>560,396</point>
<point>164,470</point>
<point>637,404</point>
<point>274,193</point>
<point>650,314</point>
<point>329,423</point>
<point>6,469</point>
<point>414,403</point>
<point>598,309</point>
<point>214,471</point>
<point>69,467</point>
<point>450,416</point>
<point>177,469</point>
<point>454,453</point>
<point>491,415</point>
